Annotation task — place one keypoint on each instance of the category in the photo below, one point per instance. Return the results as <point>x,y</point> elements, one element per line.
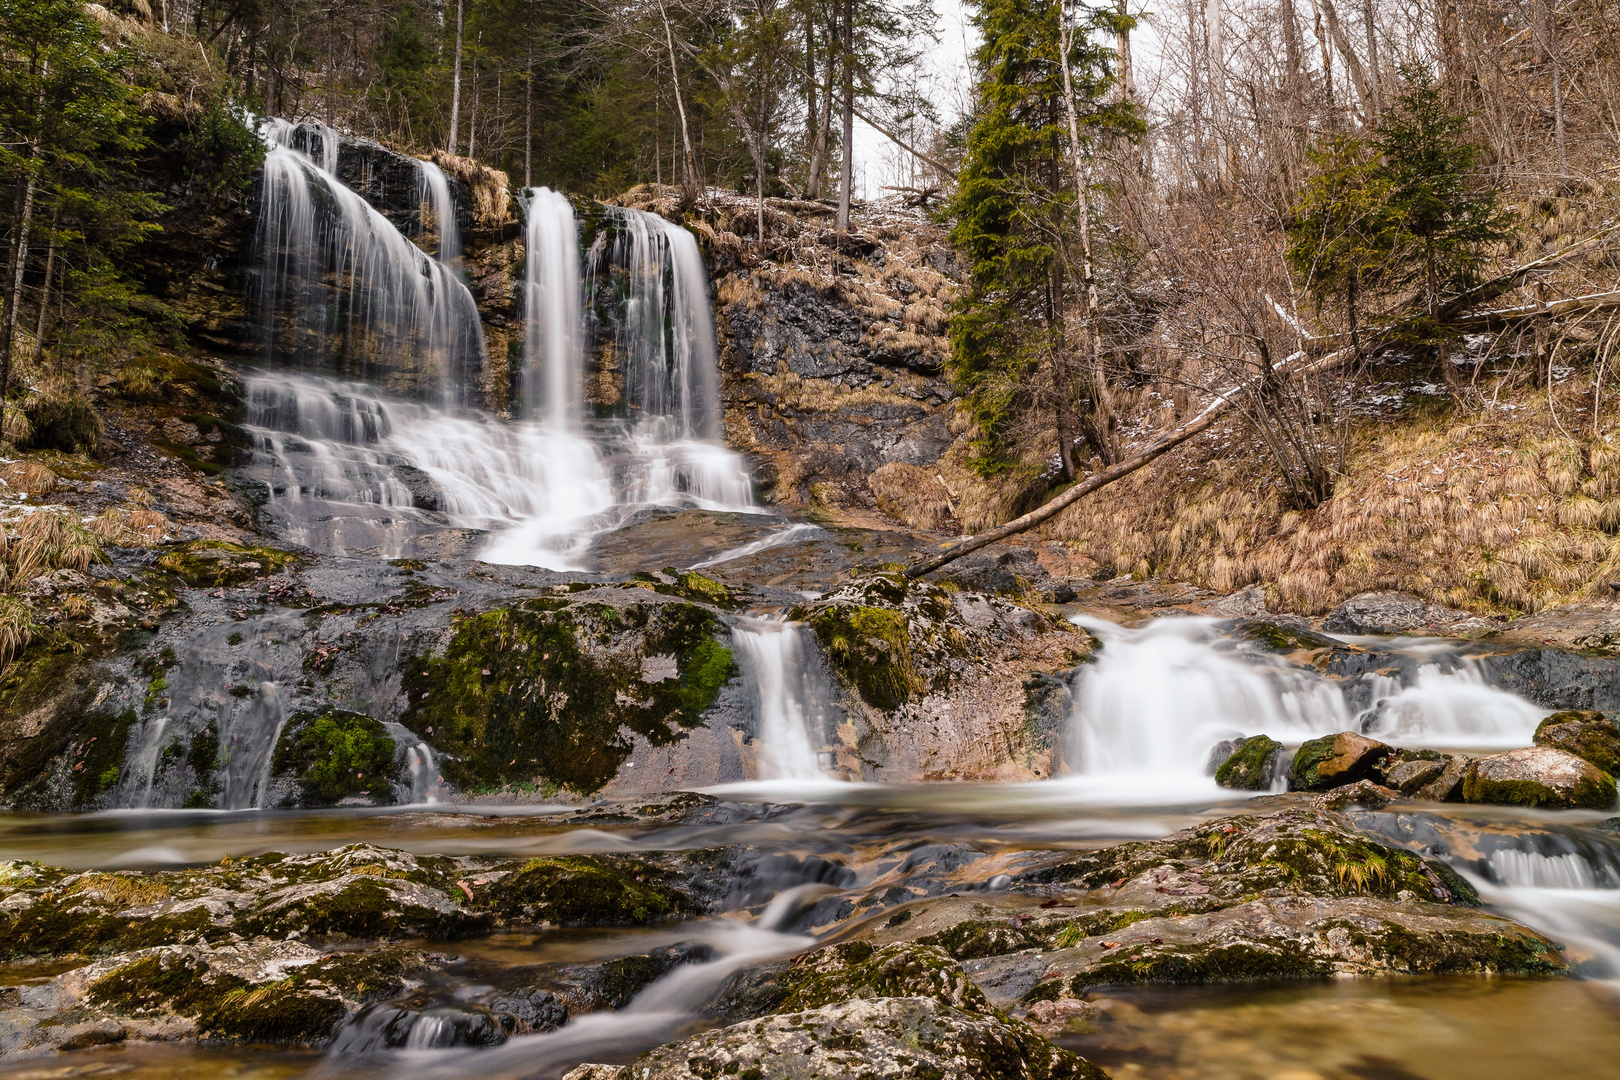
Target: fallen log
<point>1296,364</point>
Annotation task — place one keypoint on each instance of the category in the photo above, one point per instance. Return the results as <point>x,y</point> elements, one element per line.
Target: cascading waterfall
<point>667,335</point>
<point>1158,698</point>
<point>341,290</point>
<point>435,192</point>
<point>791,696</point>
<point>351,469</point>
<point>553,321</point>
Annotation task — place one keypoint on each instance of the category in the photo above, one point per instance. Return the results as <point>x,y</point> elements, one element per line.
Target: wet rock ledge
<point>961,960</point>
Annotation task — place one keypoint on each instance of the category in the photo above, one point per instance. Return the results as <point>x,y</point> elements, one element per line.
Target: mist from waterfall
<point>340,290</point>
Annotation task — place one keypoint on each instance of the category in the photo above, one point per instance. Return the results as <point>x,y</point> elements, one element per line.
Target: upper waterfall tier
<point>553,356</point>
<point>341,290</point>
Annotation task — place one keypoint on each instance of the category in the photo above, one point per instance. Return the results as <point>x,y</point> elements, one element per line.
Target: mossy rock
<point>214,564</point>
<point>1284,639</point>
<point>1586,734</point>
<point>1539,776</point>
<point>547,693</point>
<point>871,648</point>
<point>583,890</point>
<point>335,756</point>
<point>1336,760</point>
<point>856,969</point>
<point>974,939</point>
<point>1226,961</point>
<point>303,1007</point>
<point>1251,766</point>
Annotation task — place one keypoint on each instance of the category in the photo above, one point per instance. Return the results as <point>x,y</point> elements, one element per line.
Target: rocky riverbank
<point>968,953</point>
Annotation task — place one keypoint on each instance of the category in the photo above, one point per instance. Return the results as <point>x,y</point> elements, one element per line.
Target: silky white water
<point>436,194</point>
<point>340,290</point>
<point>1157,699</point>
<point>791,695</point>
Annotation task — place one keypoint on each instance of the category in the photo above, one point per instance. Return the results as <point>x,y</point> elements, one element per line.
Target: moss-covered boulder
<point>1539,776</point>
<point>214,564</point>
<point>1587,734</point>
<point>548,691</point>
<point>853,1010</point>
<point>1252,764</point>
<point>871,647</point>
<point>335,756</point>
<point>1335,760</point>
<point>1409,772</point>
<point>585,891</point>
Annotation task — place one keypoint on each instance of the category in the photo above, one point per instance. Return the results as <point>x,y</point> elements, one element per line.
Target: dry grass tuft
<point>914,496</point>
<point>29,476</point>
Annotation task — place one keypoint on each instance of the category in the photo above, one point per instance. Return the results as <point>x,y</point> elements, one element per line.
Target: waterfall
<point>340,289</point>
<point>667,334</point>
<point>552,352</point>
<point>791,696</point>
<point>1158,698</point>
<point>435,192</point>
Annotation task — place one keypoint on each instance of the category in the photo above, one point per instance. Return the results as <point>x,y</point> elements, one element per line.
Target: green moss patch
<point>871,648</point>
<point>1252,765</point>
<point>585,891</point>
<point>335,756</point>
<point>1237,961</point>
<point>523,695</point>
<point>214,564</point>
<point>855,969</point>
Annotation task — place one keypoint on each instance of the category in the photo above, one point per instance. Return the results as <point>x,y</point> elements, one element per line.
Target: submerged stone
<point>1539,776</point>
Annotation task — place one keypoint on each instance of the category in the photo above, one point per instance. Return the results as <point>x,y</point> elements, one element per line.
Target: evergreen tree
<point>1343,233</point>
<point>1013,218</point>
<point>1445,217</point>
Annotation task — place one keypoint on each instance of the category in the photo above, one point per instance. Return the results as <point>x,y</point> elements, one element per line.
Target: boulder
<point>1586,734</point>
<point>1447,787</point>
<point>1539,776</point>
<point>1335,760</point>
<point>1409,775</point>
<point>1388,613</point>
<point>1251,765</point>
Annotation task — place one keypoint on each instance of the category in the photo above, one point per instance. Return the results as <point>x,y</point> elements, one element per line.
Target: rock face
<point>1539,776</point>
<point>939,683</point>
<point>1335,760</point>
<point>1251,765</point>
<point>1586,734</point>
<point>857,1011</point>
<point>1388,613</point>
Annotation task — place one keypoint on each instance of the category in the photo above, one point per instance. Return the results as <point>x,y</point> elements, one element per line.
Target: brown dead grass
<point>913,495</point>
<point>1497,511</point>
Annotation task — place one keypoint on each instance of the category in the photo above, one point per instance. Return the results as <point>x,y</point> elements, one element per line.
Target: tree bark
<point>689,182</point>
<point>846,181</point>
<point>45,294</point>
<point>472,123</point>
<point>814,132</point>
<point>1352,63</point>
<point>1102,398</point>
<point>455,84</point>
<point>528,98</point>
<point>1215,60</point>
<point>19,259</point>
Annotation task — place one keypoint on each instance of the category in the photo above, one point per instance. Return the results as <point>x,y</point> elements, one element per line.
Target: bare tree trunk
<point>1554,54</point>
<point>1127,76</point>
<point>814,132</point>
<point>1294,83</point>
<point>1327,53</point>
<point>472,125</point>
<point>528,100</point>
<point>45,294</point>
<point>1106,423</point>
<point>846,182</point>
<point>689,183</point>
<point>1352,63</point>
<point>1374,77</point>
<point>331,63</point>
<point>1215,59</point>
<point>455,84</point>
<point>19,259</point>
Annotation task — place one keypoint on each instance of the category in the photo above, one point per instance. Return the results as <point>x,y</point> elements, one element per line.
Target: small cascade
<point>667,334</point>
<point>553,321</point>
<point>341,290</point>
<point>435,192</point>
<point>1158,698</point>
<point>420,765</point>
<point>791,696</point>
<point>1531,869</point>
